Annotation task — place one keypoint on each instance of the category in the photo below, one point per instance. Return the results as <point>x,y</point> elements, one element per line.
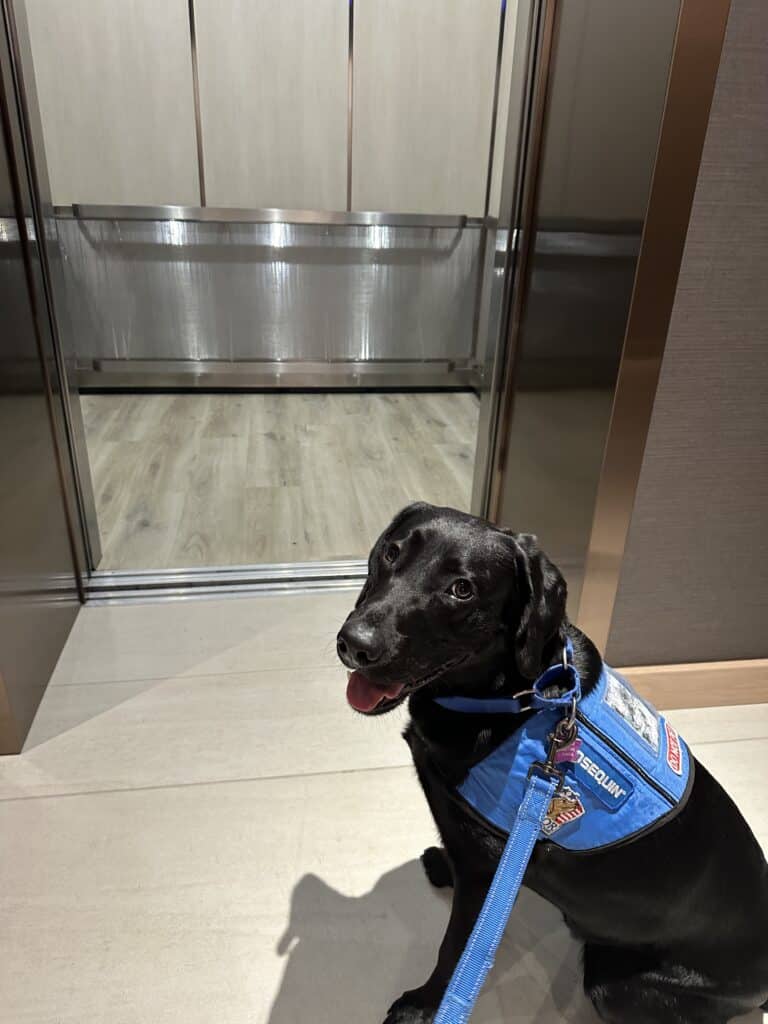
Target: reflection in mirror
<point>607,85</point>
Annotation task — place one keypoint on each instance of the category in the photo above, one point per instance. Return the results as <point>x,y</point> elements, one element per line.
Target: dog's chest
<point>465,835</point>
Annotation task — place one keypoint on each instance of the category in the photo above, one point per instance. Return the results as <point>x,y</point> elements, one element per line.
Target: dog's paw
<point>437,867</point>
<point>407,1010</point>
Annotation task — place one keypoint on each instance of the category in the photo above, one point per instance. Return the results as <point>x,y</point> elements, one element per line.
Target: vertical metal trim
<point>524,241</point>
<point>10,741</point>
<point>350,96</point>
<point>693,75</point>
<point>77,502</point>
<point>513,177</point>
<point>488,237</point>
<point>17,166</point>
<point>495,107</point>
<point>196,98</point>
<point>88,541</point>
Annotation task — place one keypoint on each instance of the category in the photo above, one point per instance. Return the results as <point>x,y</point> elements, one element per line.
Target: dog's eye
<point>391,551</point>
<point>461,590</point>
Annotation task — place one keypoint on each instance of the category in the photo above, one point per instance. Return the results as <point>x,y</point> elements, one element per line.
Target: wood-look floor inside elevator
<point>192,480</point>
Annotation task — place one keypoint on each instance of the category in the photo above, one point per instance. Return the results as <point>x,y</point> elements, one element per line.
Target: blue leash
<point>543,781</point>
<point>480,952</point>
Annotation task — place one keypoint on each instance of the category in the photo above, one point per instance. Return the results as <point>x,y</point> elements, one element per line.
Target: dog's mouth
<point>365,696</point>
<point>371,698</point>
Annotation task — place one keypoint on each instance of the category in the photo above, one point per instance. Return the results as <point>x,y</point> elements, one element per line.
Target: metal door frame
<point>527,105</point>
<point>32,227</point>
<point>42,225</point>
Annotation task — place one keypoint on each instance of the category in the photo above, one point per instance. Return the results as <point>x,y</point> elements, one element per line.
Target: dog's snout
<point>358,645</point>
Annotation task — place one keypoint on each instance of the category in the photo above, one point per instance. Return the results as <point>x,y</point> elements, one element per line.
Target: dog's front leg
<point>420,1005</point>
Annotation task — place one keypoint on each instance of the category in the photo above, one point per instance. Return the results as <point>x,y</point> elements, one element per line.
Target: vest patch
<point>674,753</point>
<point>565,806</point>
<point>635,712</point>
<point>610,786</point>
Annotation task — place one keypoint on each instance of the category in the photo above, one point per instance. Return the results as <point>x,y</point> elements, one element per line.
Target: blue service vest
<point>627,772</point>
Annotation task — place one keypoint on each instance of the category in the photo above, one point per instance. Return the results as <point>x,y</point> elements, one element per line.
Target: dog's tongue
<point>363,695</point>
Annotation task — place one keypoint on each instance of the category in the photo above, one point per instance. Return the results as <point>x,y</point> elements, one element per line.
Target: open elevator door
<point>356,345</point>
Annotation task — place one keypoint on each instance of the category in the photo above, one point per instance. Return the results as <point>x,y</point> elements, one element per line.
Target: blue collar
<point>558,687</point>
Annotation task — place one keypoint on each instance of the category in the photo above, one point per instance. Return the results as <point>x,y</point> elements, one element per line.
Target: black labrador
<point>675,923</point>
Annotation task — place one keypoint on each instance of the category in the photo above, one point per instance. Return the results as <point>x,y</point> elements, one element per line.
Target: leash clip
<point>547,770</point>
<point>567,727</point>
<point>564,733</point>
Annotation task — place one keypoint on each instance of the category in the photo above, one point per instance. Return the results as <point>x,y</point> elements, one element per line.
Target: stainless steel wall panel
<point>576,253</point>
<point>38,584</point>
<point>173,290</point>
<point>612,68</point>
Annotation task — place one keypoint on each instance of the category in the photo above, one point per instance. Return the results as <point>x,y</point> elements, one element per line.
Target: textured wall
<point>273,96</point>
<point>694,584</point>
<point>424,77</point>
<point>115,86</point>
<point>114,82</point>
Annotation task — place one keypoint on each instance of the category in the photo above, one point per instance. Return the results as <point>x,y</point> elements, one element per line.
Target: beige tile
<point>756,1017</point>
<point>66,707</point>
<point>265,901</point>
<point>741,766</point>
<point>714,725</point>
<point>196,637</point>
<point>200,729</point>
<point>261,899</point>
<point>269,902</point>
<point>732,743</point>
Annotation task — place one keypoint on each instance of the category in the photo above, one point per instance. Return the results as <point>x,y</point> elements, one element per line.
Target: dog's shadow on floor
<point>348,958</point>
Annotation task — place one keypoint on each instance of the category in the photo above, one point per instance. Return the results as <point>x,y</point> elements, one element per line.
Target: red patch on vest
<point>674,751</point>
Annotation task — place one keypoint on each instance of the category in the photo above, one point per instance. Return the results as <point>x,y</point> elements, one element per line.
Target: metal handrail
<point>233,215</point>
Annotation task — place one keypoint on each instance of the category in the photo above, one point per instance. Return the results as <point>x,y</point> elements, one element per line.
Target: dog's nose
<point>358,645</point>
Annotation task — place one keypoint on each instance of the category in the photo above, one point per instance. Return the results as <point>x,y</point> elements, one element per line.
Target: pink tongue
<point>363,695</point>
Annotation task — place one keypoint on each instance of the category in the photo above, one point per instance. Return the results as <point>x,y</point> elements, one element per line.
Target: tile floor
<point>199,830</point>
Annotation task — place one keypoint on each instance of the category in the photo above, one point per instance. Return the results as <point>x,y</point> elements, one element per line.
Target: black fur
<point>674,924</point>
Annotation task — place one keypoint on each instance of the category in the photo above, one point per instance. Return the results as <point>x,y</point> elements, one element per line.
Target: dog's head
<point>447,590</point>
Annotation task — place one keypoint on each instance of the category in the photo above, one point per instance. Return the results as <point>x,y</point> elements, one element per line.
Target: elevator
<point>308,262</point>
<point>274,292</point>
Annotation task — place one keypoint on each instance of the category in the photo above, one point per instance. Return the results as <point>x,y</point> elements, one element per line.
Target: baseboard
<point>702,684</point>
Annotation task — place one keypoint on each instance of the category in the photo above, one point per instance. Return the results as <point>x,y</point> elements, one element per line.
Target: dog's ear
<point>541,603</point>
<point>405,513</point>
<point>415,508</point>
